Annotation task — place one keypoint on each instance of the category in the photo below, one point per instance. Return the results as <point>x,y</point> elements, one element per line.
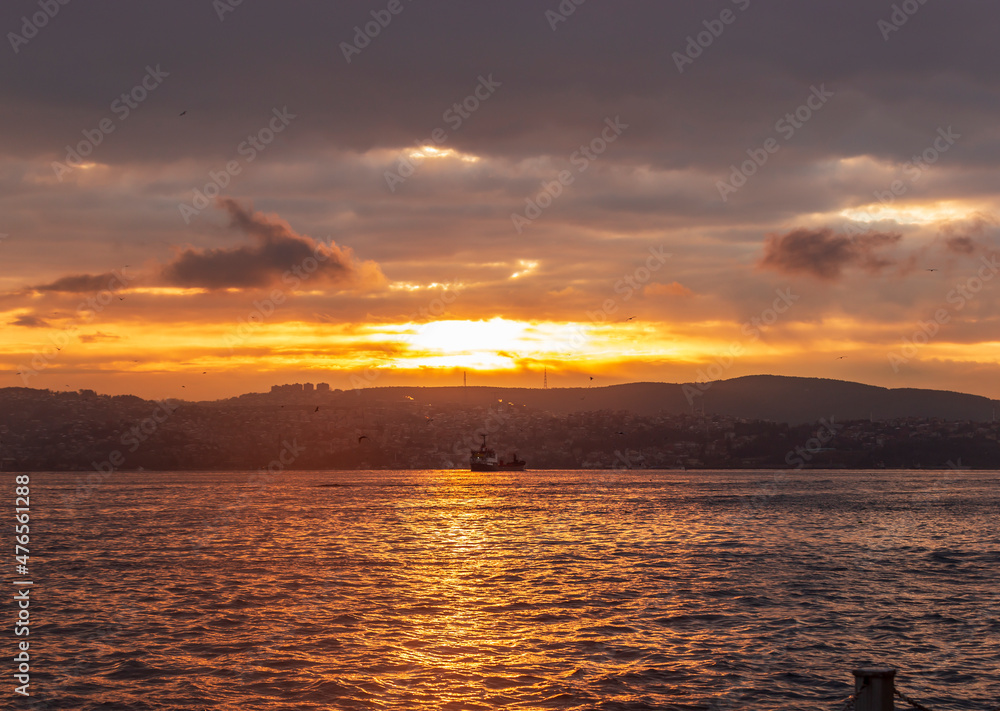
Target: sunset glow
<point>496,222</point>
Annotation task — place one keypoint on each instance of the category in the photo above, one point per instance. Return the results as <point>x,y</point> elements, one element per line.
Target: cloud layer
<point>82,283</point>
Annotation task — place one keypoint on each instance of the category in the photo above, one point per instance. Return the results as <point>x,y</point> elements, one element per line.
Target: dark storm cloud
<point>824,254</point>
<point>279,255</point>
<point>937,70</point>
<point>30,321</point>
<point>82,283</point>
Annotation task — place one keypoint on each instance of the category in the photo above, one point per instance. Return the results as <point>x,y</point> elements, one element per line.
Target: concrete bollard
<point>873,689</point>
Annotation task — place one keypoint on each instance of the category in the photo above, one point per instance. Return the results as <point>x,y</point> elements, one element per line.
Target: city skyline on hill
<point>747,423</point>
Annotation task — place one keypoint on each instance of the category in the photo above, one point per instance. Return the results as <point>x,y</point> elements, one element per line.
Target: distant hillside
<point>752,422</point>
<point>764,397</point>
<point>796,400</point>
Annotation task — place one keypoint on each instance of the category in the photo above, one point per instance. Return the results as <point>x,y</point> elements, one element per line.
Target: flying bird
<point>183,112</point>
<point>930,270</point>
<point>317,409</point>
<point>361,438</point>
<point>841,357</point>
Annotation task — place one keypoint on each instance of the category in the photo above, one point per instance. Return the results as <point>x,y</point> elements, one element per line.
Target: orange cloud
<point>30,321</point>
<point>672,289</point>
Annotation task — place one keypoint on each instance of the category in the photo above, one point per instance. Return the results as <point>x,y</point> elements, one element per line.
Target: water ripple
<point>549,590</point>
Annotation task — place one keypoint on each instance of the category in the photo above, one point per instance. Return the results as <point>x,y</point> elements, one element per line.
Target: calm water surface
<point>537,590</point>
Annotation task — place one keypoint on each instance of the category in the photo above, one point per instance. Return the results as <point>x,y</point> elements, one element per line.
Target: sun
<point>470,344</point>
<point>494,344</point>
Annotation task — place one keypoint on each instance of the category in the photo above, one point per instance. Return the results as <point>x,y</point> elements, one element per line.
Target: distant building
<point>323,387</point>
<point>307,387</point>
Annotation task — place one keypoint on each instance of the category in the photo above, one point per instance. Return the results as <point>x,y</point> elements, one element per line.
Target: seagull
<point>630,318</point>
<point>183,112</point>
<point>121,298</point>
<point>317,409</point>
<point>841,357</point>
<point>930,270</point>
<point>361,438</point>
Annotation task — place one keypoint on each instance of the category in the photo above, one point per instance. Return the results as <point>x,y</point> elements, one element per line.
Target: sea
<point>623,590</point>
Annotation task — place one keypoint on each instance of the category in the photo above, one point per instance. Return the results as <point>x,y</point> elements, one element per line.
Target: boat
<point>485,460</point>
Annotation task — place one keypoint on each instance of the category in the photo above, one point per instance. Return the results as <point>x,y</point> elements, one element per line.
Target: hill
<point>757,397</point>
<point>753,422</point>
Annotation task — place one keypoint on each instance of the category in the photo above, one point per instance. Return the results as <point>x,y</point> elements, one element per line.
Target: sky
<point>201,199</point>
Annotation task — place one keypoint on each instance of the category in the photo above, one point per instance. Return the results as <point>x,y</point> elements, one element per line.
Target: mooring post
<point>873,689</point>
